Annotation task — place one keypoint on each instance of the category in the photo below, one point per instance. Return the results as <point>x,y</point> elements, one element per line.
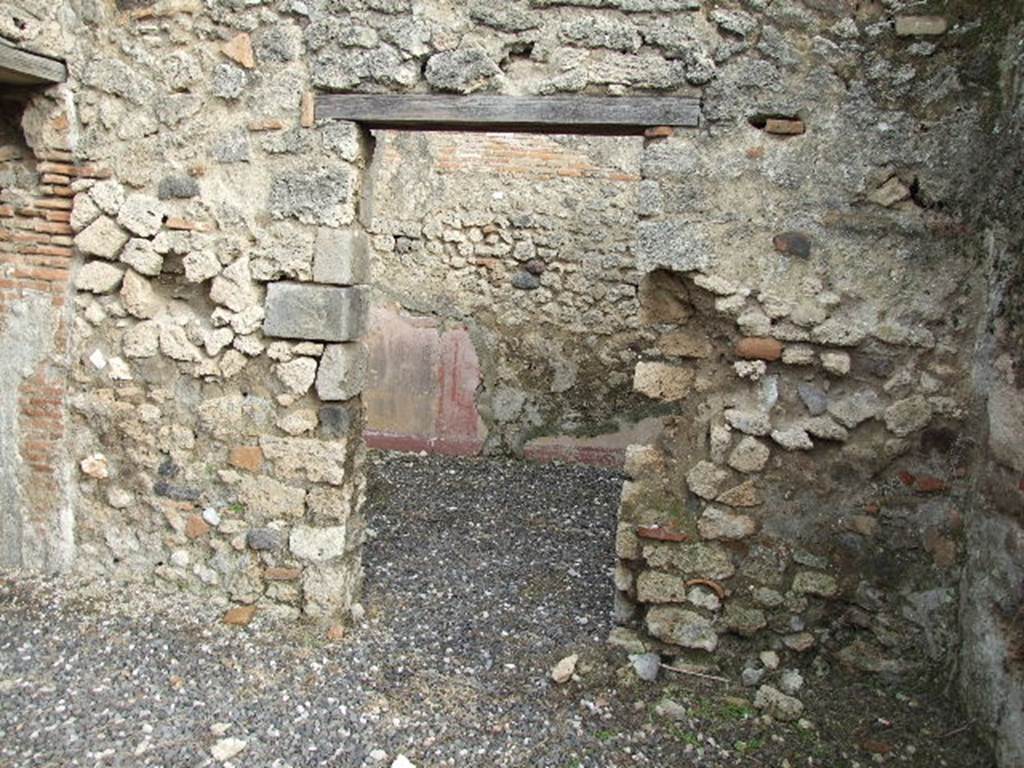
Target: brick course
<point>37,259</point>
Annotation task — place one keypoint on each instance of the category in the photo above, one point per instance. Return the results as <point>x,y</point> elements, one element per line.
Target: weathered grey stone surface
<point>177,187</point>
<point>675,245</point>
<point>681,627</point>
<point>777,704</point>
<point>315,312</point>
<point>461,71</point>
<point>704,561</point>
<point>342,372</point>
<point>341,257</point>
<point>320,194</point>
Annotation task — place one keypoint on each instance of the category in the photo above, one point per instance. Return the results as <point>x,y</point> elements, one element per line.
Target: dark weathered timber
<point>24,68</point>
<point>543,114</point>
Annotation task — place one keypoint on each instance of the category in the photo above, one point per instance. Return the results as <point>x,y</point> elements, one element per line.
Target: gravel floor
<point>481,576</point>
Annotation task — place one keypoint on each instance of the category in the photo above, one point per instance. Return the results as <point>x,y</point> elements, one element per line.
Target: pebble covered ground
<point>481,576</point>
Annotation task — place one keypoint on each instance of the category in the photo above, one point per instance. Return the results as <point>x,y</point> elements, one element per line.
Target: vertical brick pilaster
<point>36,261</point>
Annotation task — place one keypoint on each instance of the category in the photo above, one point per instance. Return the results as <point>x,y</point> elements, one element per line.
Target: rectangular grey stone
<point>315,312</point>
<point>341,257</point>
<point>342,372</point>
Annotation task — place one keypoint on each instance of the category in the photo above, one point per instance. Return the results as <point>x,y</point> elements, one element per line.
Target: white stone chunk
<point>750,455</point>
<point>98,277</point>
<point>138,297</point>
<point>83,212</point>
<point>201,266</point>
<point>297,375</point>
<point>108,195</point>
<point>837,363</point>
<point>142,340</point>
<point>103,239</point>
<point>140,255</point>
<point>317,544</point>
<point>141,214</point>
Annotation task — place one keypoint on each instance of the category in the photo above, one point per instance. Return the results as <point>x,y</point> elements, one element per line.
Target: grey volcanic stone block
<point>341,257</point>
<point>342,372</point>
<point>335,421</point>
<point>315,312</point>
<point>177,187</point>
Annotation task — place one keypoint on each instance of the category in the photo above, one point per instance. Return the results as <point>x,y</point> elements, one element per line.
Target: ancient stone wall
<point>213,409</point>
<point>526,241</point>
<point>809,300</point>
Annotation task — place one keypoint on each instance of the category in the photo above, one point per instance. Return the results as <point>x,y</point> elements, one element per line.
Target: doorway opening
<point>506,314</point>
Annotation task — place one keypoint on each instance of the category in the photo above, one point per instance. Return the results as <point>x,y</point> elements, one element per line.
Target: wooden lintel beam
<point>535,114</point>
<point>22,67</point>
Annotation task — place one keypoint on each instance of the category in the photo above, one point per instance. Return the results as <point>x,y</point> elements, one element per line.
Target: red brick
<point>54,227</point>
<point>307,115</point>
<point>267,125</point>
<point>66,169</point>
<point>176,222</point>
<point>240,615</point>
<point>42,273</point>
<point>52,250</point>
<point>657,533</point>
<point>28,237</point>
<point>929,484</point>
<point>282,574</point>
<point>239,50</point>
<point>62,204</point>
<point>57,155</point>
<point>756,348</point>
<point>247,457</point>
<point>196,527</point>
<point>659,132</point>
<point>783,127</point>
